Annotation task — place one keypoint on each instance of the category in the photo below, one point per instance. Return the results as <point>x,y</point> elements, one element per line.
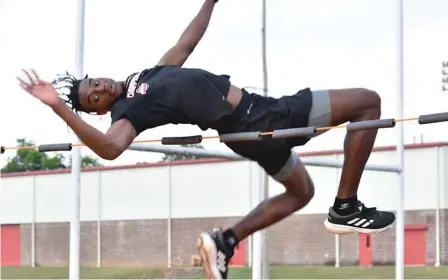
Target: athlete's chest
<point>137,87</point>
<point>154,82</point>
<point>146,93</point>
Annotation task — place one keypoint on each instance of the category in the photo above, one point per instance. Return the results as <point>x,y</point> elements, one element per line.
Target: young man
<point>168,94</point>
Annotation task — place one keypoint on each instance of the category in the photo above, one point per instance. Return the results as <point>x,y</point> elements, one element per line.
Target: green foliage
<point>88,161</point>
<point>32,159</point>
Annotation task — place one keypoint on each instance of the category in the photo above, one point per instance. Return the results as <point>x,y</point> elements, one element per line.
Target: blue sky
<point>311,43</point>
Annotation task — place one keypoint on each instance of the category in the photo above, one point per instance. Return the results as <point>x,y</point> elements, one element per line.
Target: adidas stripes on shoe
<point>365,220</point>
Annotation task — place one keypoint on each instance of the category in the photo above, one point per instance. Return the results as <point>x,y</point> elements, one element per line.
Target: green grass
<point>85,273</point>
<point>298,272</point>
<point>283,272</point>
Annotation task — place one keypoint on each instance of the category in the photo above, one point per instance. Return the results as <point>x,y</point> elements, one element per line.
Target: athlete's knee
<point>305,191</point>
<point>301,190</point>
<point>296,179</point>
<point>372,103</point>
<point>310,188</point>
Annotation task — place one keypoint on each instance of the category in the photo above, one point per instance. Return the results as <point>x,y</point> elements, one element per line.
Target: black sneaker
<point>214,254</point>
<point>366,220</point>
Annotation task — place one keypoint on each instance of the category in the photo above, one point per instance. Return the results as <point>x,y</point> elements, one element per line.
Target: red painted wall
<point>10,245</point>
<point>365,250</point>
<point>415,245</point>
<point>239,258</point>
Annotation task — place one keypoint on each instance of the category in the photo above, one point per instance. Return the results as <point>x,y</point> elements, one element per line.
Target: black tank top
<point>173,95</point>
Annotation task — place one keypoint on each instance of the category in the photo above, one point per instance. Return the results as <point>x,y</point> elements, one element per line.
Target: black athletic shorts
<point>259,113</point>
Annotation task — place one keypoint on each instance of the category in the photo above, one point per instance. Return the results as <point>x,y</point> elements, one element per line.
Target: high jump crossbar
<point>245,137</point>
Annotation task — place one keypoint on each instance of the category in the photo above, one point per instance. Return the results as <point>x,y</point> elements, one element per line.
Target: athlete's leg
<point>328,108</point>
<point>335,107</point>
<point>299,191</point>
<point>352,105</point>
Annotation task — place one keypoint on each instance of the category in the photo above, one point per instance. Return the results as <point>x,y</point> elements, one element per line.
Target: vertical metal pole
<point>98,221</point>
<point>33,223</point>
<point>75,226</point>
<point>337,245</point>
<point>443,199</point>
<point>250,240</point>
<point>256,237</point>
<point>257,255</point>
<point>265,257</point>
<point>337,241</point>
<point>264,56</point>
<point>399,263</point>
<point>168,220</point>
<point>439,185</point>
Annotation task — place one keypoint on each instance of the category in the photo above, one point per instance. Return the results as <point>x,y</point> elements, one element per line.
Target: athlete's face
<point>98,94</point>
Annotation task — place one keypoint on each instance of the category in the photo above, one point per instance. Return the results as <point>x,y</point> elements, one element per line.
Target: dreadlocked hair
<point>68,87</point>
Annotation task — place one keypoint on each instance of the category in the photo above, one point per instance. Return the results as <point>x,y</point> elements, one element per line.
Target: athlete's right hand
<point>42,90</point>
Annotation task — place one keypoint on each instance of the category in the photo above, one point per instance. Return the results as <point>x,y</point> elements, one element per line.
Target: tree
<point>88,161</point>
<point>172,157</point>
<point>32,159</point>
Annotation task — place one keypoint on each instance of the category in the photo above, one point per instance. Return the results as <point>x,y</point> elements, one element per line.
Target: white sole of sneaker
<point>341,229</point>
<point>207,251</point>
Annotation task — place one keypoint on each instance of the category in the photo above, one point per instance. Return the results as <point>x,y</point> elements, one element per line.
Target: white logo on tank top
<point>142,88</point>
<point>250,107</point>
<point>132,86</point>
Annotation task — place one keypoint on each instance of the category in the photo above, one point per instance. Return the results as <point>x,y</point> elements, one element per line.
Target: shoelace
<point>371,211</point>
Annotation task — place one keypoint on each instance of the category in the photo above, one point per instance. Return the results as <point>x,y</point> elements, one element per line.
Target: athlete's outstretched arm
<point>107,146</point>
<point>190,38</point>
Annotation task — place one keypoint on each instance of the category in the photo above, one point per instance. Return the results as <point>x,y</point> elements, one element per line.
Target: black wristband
<point>216,1</point>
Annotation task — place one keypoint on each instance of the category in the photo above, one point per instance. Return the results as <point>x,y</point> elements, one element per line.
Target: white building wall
<point>218,190</point>
<point>135,194</point>
<point>209,190</point>
<point>16,200</point>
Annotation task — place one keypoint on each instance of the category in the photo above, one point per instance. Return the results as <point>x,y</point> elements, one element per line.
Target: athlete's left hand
<point>42,90</point>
